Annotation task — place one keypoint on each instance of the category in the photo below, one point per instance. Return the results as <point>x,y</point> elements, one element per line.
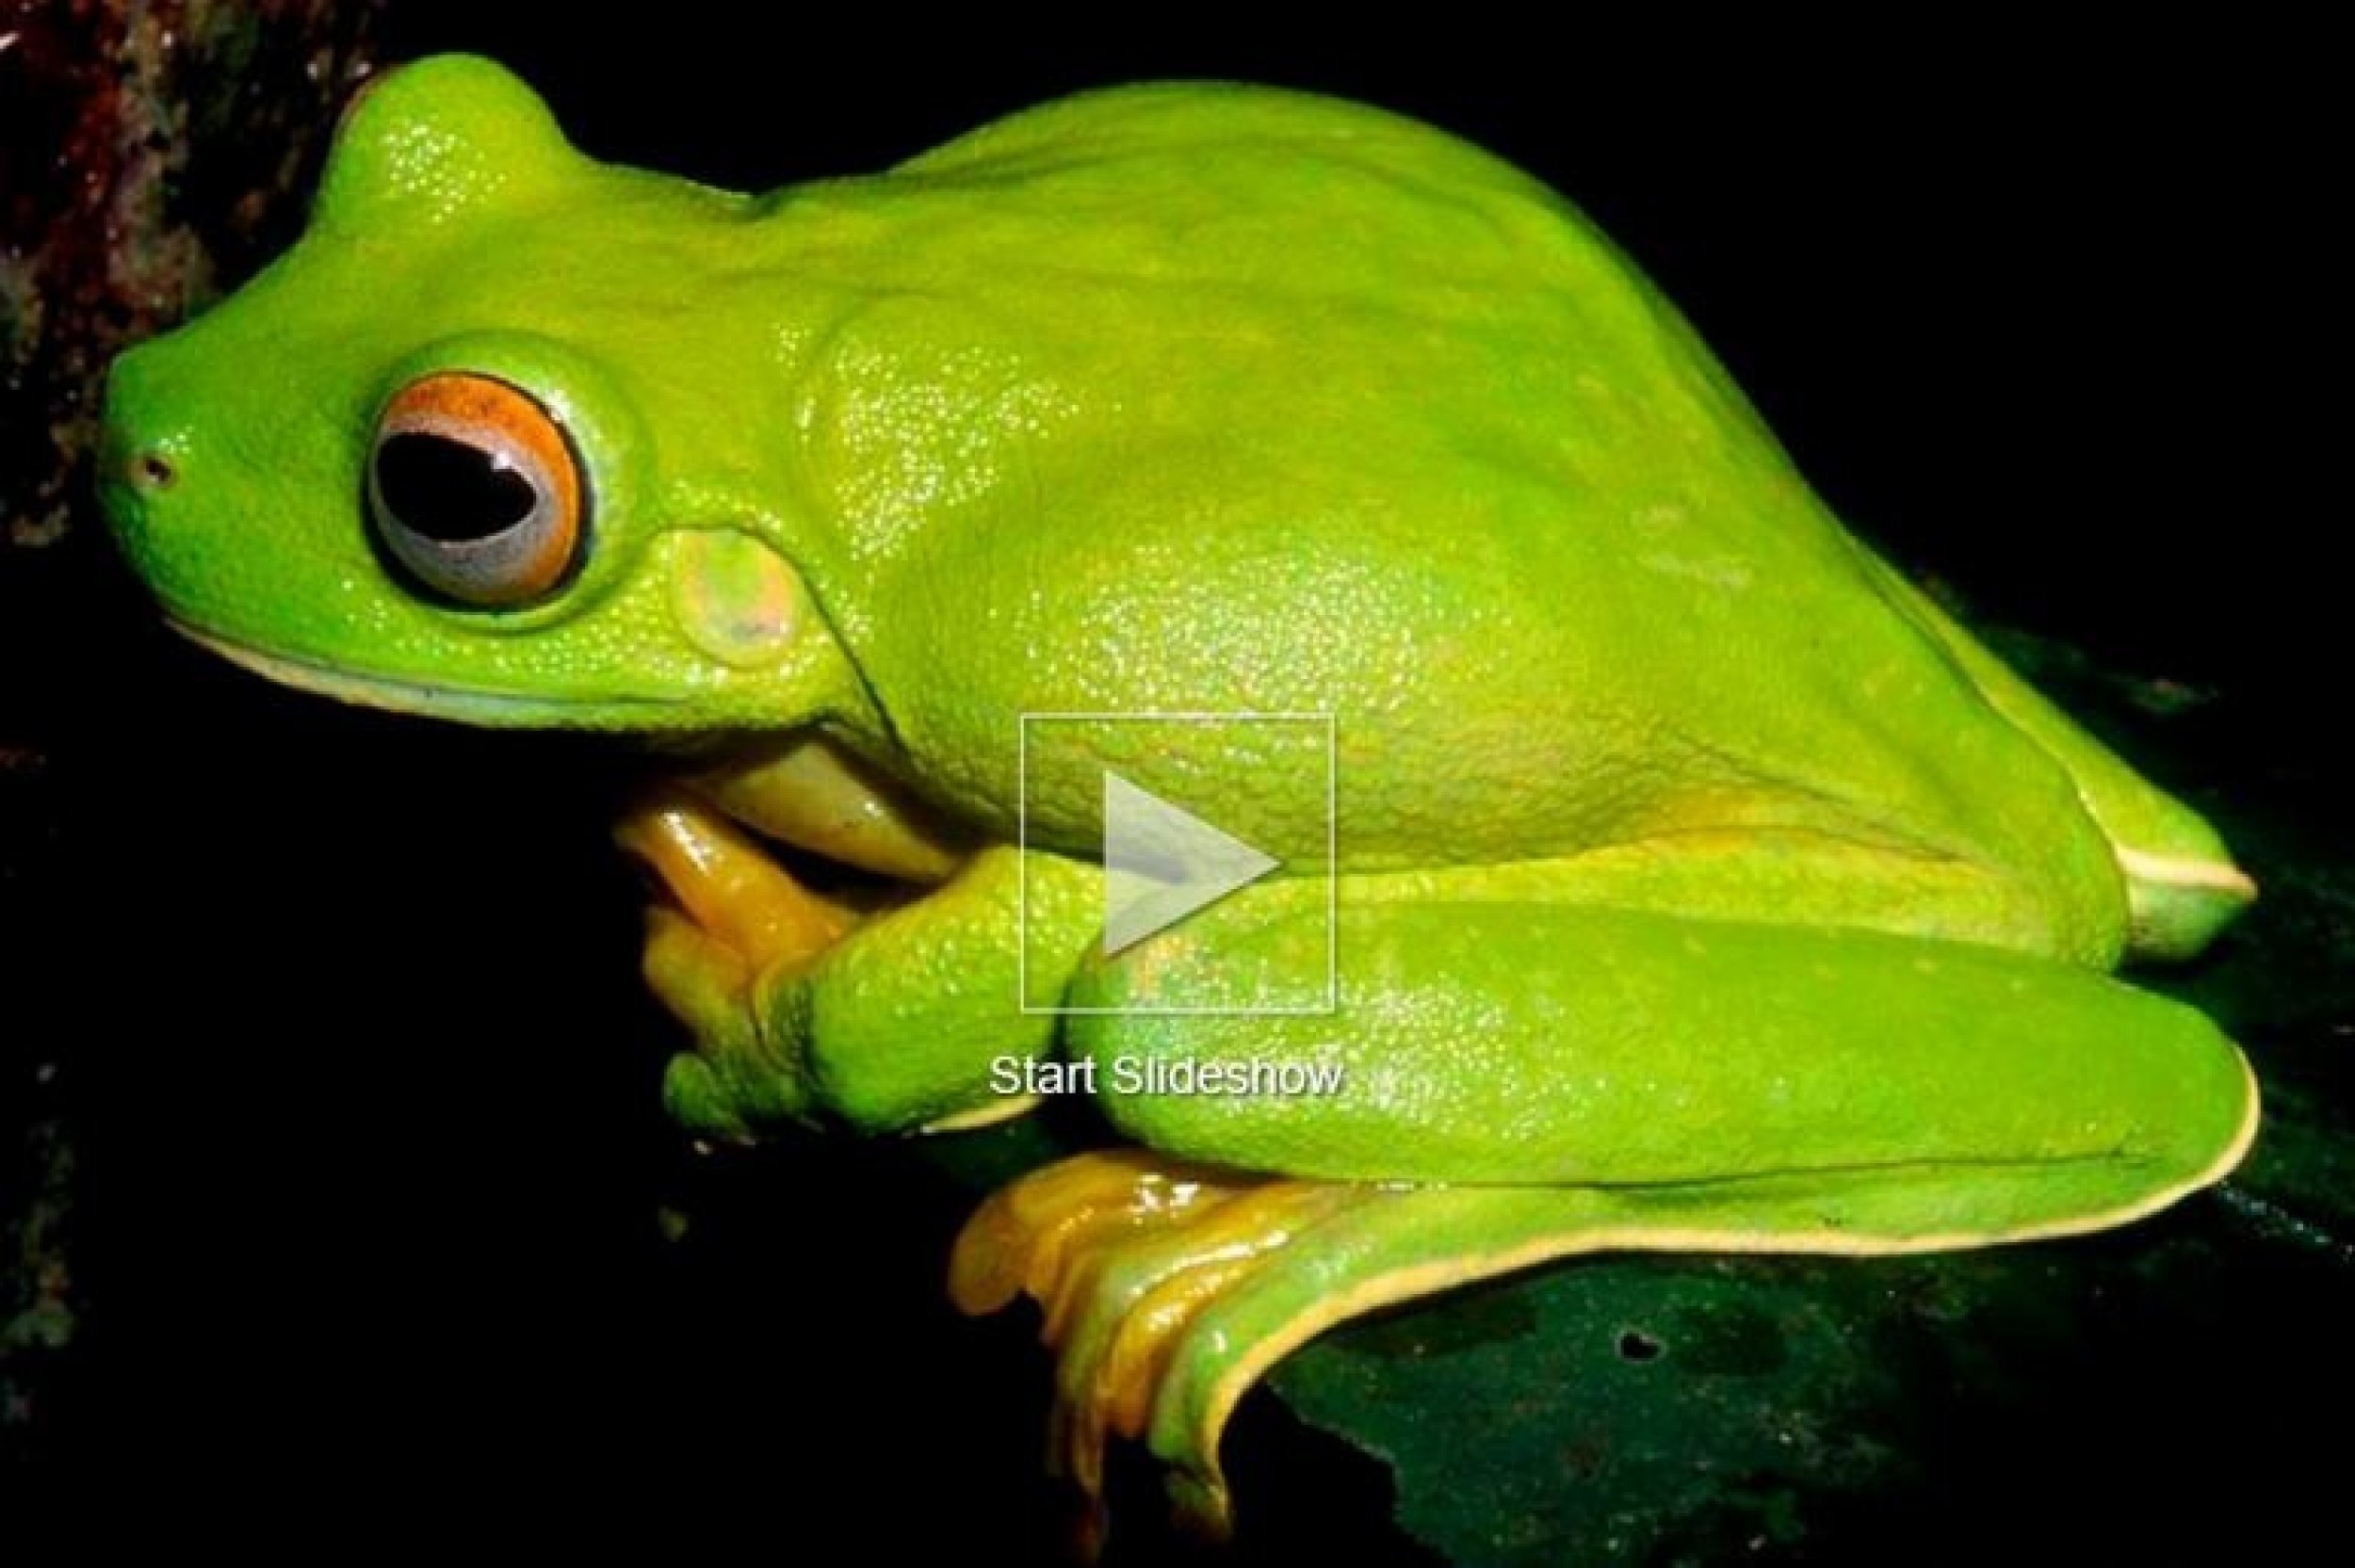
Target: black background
<point>372,1156</point>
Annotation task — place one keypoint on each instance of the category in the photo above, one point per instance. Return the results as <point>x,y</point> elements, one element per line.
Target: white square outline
<point>1331,1003</point>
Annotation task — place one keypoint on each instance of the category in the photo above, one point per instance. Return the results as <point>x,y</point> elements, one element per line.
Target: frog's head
<point>473,447</point>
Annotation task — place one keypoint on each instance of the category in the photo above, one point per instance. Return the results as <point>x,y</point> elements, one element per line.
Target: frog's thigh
<point>1542,1043</point>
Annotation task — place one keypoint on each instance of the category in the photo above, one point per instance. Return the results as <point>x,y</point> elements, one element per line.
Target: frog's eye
<point>474,489</point>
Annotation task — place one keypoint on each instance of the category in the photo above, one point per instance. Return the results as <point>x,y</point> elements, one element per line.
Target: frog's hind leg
<point>1510,1083</point>
<point>2181,887</point>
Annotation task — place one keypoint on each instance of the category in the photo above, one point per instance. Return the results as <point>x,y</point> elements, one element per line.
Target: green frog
<point>1684,879</point>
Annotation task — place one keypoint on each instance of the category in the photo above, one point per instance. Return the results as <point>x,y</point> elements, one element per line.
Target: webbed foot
<point>1128,1254</point>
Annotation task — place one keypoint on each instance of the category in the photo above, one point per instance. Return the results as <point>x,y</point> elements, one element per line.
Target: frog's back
<point>1256,400</point>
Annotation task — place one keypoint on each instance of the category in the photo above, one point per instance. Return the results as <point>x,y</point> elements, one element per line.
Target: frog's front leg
<point>809,1007</point>
<point>1521,1082</point>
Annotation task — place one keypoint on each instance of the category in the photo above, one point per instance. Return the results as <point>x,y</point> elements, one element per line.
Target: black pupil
<point>448,490</point>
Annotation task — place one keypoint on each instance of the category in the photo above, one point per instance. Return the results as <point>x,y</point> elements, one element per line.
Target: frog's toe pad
<point>1126,1251</point>
<point>706,984</point>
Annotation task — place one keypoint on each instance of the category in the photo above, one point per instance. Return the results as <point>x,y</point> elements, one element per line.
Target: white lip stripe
<point>392,695</point>
<point>2167,871</point>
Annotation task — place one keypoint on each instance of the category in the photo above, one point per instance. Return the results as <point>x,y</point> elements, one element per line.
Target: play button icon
<point>1162,863</point>
<point>1110,855</point>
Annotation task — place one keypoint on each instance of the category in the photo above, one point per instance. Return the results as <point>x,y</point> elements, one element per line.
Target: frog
<point>1695,881</point>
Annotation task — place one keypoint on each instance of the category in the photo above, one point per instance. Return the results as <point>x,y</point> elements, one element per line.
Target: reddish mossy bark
<point>150,153</point>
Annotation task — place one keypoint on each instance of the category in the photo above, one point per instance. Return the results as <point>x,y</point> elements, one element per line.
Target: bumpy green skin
<point>1681,841</point>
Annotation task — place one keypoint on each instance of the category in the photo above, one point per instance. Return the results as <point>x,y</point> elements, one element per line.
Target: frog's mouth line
<point>393,694</point>
<point>846,844</point>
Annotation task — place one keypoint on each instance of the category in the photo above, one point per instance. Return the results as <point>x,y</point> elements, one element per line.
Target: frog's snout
<point>142,456</point>
<point>148,465</point>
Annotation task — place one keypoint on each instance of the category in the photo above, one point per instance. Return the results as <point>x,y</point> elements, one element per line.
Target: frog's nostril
<point>151,472</point>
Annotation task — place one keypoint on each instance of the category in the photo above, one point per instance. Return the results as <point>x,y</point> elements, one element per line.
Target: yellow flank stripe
<point>1002,1108</point>
<point>1383,1290</point>
<point>2170,871</point>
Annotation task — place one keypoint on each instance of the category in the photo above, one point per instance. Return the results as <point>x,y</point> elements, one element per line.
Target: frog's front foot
<point>1139,1263</point>
<point>729,921</point>
<point>883,1002</point>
